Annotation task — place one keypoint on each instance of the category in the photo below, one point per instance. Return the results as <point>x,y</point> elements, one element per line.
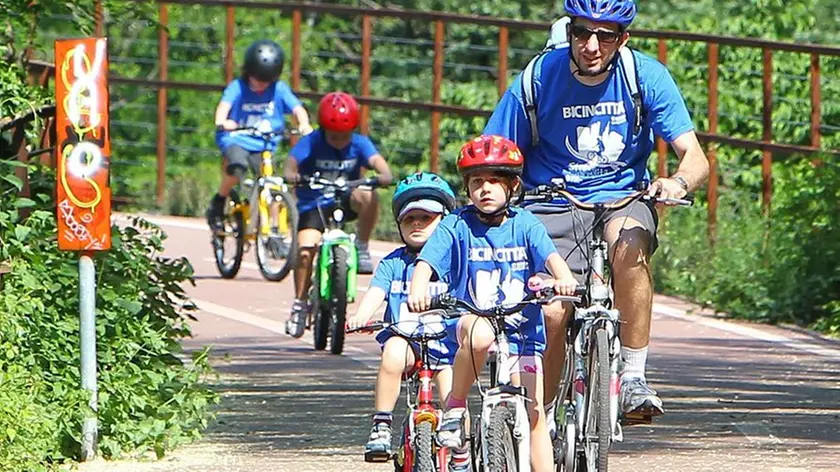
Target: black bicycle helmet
<point>264,60</point>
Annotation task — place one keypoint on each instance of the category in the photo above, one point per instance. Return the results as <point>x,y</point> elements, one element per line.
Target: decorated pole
<point>82,193</point>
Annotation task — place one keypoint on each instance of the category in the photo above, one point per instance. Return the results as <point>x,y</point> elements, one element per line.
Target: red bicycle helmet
<point>339,112</point>
<point>490,153</point>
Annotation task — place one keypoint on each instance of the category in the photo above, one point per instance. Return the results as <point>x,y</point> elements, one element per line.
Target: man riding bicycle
<point>591,130</point>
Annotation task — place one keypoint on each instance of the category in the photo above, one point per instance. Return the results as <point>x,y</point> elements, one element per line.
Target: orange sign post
<point>83,197</point>
<point>84,145</point>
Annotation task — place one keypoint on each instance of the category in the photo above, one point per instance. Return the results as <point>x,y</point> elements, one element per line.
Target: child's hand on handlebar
<point>229,125</point>
<point>566,285</point>
<point>356,322</point>
<point>305,129</point>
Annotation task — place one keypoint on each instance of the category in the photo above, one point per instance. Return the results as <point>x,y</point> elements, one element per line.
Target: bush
<point>149,397</point>
<point>777,269</point>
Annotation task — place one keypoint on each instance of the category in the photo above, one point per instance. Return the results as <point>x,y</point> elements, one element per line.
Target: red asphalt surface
<point>739,397</point>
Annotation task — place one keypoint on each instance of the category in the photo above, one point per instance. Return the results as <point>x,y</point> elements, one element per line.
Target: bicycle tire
<point>320,313</point>
<point>291,258</point>
<point>599,388</point>
<point>501,448</point>
<point>234,225</point>
<point>338,298</point>
<point>424,454</point>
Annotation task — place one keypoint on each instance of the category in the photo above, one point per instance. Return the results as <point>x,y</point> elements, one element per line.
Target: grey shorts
<point>239,157</point>
<point>567,227</point>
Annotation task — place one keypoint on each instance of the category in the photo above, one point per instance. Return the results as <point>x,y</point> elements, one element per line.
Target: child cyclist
<point>488,251</point>
<point>333,151</point>
<point>255,96</point>
<point>420,201</point>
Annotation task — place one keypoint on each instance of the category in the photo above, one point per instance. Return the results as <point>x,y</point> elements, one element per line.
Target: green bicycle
<point>336,264</point>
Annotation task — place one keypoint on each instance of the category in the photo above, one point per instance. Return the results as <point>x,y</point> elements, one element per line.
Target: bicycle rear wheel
<point>229,243</point>
<point>277,249</point>
<point>501,447</point>
<point>338,301</point>
<point>598,432</point>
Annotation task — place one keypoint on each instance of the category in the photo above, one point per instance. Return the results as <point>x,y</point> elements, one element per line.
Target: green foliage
<point>150,397</point>
<point>778,269</point>
<point>402,69</point>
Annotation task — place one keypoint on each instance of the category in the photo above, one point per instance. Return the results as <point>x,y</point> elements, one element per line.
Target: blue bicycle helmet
<point>422,186</point>
<point>613,11</point>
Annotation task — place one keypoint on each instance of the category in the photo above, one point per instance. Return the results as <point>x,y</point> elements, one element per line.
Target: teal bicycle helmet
<point>422,186</point>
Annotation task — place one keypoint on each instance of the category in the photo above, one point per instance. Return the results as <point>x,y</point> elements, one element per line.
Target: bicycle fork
<point>506,394</point>
<point>594,317</point>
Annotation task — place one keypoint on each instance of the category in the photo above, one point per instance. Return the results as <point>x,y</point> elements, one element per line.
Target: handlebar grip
<point>580,290</point>
<point>368,328</point>
<point>441,302</point>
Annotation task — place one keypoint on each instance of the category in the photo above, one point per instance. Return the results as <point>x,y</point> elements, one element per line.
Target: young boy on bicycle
<point>419,203</point>
<point>333,151</point>
<point>488,251</point>
<point>255,96</point>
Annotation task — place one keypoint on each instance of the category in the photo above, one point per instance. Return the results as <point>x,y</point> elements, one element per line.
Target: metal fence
<point>153,75</point>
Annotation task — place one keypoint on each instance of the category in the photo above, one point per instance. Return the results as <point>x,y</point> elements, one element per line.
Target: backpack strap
<point>529,95</point>
<point>556,39</point>
<point>631,77</point>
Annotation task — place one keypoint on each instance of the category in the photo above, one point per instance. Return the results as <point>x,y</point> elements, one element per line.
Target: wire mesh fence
<point>402,68</point>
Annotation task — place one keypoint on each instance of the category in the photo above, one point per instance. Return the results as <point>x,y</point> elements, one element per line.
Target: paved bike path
<point>738,396</point>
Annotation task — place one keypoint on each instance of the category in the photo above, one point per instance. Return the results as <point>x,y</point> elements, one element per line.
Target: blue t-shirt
<point>249,108</point>
<point>393,275</point>
<point>313,154</point>
<point>586,131</point>
<point>489,265</point>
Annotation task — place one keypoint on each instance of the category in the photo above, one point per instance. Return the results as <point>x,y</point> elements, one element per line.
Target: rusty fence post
<point>367,34</point>
<point>296,20</point>
<point>437,67</point>
<point>230,31</point>
<point>163,54</point>
<point>713,145</point>
<point>816,113</point>
<point>98,19</point>
<point>661,145</point>
<point>503,59</point>
<point>767,134</point>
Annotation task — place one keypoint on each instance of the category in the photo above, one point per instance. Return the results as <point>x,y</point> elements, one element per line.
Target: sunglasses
<point>583,33</point>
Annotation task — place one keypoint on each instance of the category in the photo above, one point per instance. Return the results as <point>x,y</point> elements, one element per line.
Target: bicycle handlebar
<point>547,193</point>
<point>392,327</point>
<point>316,182</point>
<point>266,135</point>
<point>544,296</point>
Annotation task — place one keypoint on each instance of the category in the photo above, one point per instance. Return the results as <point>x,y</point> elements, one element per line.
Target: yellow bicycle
<point>271,224</point>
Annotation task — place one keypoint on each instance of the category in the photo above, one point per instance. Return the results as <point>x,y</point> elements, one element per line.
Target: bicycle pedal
<point>378,457</point>
<point>632,419</point>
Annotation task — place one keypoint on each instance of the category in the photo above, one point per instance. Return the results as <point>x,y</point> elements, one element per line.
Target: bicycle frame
<point>598,313</point>
<point>421,408</point>
<point>261,192</point>
<point>506,393</point>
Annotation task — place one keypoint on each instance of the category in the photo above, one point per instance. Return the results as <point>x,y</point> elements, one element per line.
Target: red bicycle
<point>417,451</point>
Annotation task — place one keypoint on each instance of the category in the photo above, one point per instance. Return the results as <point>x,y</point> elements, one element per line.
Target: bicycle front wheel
<point>338,288</point>
<point>423,448</point>
<point>598,431</point>
<point>501,448</point>
<point>229,243</point>
<point>277,235</point>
